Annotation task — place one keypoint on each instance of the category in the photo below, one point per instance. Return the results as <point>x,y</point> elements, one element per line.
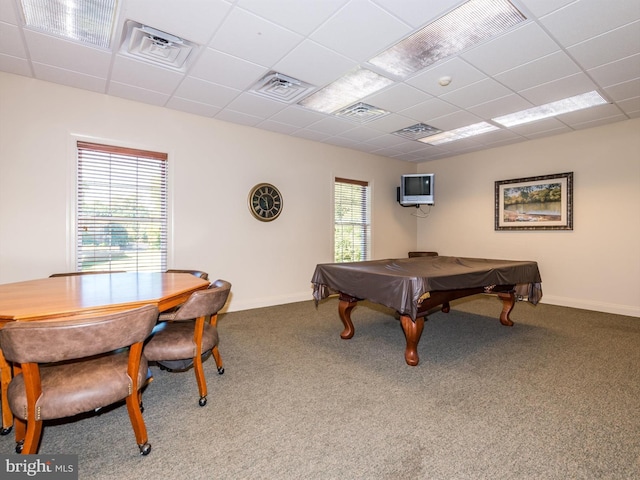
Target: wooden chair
<point>182,338</point>
<point>69,366</point>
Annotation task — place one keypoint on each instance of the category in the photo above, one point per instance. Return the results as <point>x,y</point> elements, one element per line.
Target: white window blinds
<point>352,229</point>
<point>121,209</point>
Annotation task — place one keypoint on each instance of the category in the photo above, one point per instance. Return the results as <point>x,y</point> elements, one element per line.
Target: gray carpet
<point>557,396</point>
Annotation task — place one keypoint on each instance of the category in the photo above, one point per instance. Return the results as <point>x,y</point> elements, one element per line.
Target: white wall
<point>596,266</point>
<point>213,165</point>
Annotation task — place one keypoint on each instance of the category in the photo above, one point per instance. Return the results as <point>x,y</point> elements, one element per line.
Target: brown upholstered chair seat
<point>71,388</point>
<point>176,343</point>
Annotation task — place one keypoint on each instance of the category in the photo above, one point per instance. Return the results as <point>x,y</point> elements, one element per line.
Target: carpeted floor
<point>557,396</point>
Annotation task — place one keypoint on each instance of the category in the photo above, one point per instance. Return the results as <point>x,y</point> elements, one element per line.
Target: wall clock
<point>265,202</point>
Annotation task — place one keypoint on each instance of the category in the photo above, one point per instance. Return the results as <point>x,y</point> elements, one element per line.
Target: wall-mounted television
<point>417,189</point>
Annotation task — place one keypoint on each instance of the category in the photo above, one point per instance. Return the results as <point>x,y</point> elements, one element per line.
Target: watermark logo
<point>50,467</point>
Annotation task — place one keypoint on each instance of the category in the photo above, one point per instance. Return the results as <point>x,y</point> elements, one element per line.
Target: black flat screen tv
<point>417,189</point>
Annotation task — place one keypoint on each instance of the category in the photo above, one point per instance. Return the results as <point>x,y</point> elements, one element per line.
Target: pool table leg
<point>345,306</point>
<point>508,301</point>
<point>412,332</point>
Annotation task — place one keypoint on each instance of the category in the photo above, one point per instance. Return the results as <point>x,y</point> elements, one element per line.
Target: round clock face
<point>265,202</point>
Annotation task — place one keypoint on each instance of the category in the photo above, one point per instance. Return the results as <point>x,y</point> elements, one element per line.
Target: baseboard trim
<point>269,301</point>
<point>628,310</point>
<point>615,308</point>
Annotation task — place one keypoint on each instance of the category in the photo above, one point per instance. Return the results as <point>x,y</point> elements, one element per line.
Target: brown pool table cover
<point>399,283</point>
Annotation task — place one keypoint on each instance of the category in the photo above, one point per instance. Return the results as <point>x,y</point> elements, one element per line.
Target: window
<point>121,219</point>
<point>351,220</point>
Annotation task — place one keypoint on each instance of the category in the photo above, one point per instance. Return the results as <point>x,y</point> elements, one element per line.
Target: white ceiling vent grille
<point>361,112</point>
<point>155,46</point>
<point>280,87</point>
<point>419,130</point>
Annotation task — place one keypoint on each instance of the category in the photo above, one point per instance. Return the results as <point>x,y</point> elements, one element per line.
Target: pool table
<point>414,286</point>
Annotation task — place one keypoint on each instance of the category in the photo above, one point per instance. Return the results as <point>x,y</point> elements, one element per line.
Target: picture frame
<point>535,203</point>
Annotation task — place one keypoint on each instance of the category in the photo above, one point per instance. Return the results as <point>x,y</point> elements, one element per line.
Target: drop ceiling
<point>563,48</point>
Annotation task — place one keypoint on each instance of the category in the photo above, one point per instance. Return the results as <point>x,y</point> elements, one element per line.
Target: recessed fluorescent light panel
<point>87,21</point>
<point>361,112</point>
<point>346,90</point>
<point>571,104</point>
<point>467,25</point>
<point>417,131</point>
<point>459,133</point>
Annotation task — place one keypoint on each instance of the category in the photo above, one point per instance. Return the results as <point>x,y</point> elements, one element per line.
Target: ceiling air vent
<point>419,130</point>
<point>361,112</point>
<point>155,46</point>
<point>280,87</point>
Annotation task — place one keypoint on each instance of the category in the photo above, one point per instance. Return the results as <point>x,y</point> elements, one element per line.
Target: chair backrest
<point>66,339</point>
<point>94,272</point>
<point>202,303</point>
<point>197,273</point>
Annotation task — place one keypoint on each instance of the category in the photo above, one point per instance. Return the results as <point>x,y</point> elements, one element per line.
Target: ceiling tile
<point>254,39</point>
<point>397,97</point>
<point>542,70</point>
<point>480,92</point>
<point>617,72</point>
<point>501,106</point>
<point>296,115</point>
<point>391,123</point>
<point>524,44</point>
<point>11,43</point>
<point>223,69</point>
<point>145,75</point>
<point>72,56</point>
<point>418,12</point>
<point>184,105</point>
<point>608,47</point>
<point>301,17</point>
<point>326,66</point>
<point>542,7</point>
<point>71,79</point>
<point>454,120</point>
<point>277,127</point>
<point>131,92</point>
<point>200,91</point>
<point>8,13</point>
<point>588,14</point>
<point>589,115</point>
<point>15,65</point>
<point>331,126</point>
<point>624,91</point>
<point>432,108</point>
<point>255,105</point>
<point>376,29</point>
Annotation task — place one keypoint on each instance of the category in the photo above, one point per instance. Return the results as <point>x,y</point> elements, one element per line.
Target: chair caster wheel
<point>6,431</point>
<point>203,401</point>
<point>145,449</point>
<point>19,446</point>
<point>220,370</point>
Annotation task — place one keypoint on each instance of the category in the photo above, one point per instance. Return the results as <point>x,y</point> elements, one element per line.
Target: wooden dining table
<point>80,296</point>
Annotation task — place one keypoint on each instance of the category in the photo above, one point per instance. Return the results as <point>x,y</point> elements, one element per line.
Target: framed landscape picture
<point>535,203</point>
